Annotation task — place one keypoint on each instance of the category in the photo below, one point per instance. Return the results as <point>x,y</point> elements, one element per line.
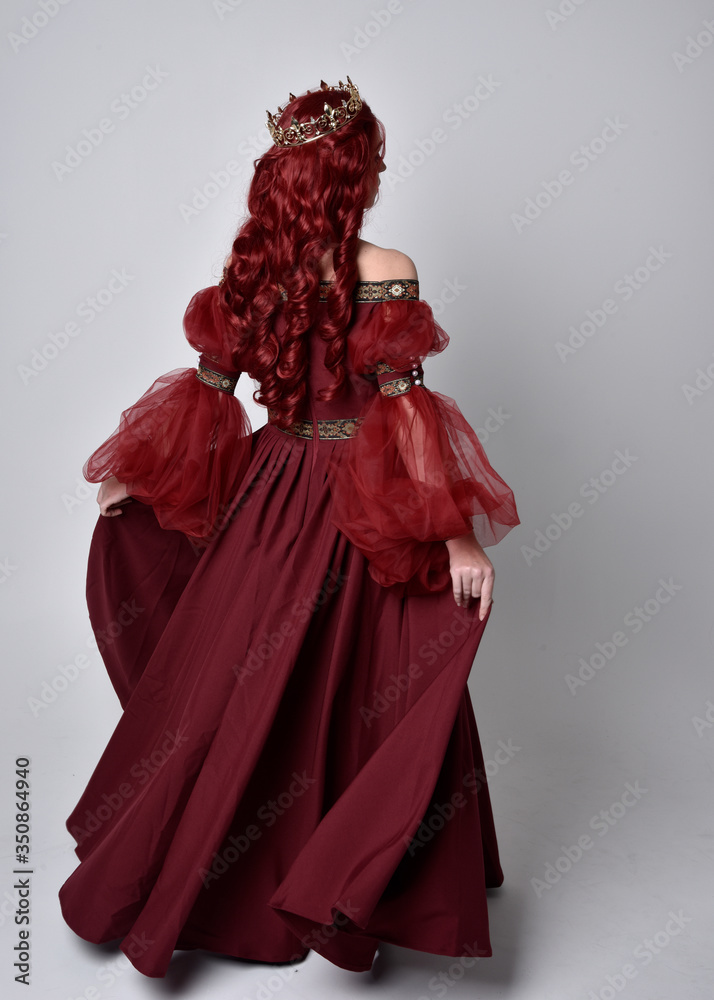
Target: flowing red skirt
<point>297,764</point>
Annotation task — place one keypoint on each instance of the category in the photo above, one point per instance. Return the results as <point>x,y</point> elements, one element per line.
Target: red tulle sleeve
<point>415,474</point>
<point>184,446</point>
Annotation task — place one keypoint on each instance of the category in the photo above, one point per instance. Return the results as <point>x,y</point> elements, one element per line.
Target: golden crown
<point>298,133</point>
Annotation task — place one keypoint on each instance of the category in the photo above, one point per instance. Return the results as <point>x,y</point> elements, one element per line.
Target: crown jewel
<point>298,133</point>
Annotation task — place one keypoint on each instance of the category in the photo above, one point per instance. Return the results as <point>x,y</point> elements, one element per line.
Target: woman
<point>289,616</point>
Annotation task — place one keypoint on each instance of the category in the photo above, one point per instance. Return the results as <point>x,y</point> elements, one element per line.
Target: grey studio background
<point>550,172</point>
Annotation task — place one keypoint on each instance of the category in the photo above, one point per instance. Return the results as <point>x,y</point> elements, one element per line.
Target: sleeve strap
<point>213,374</point>
<point>397,381</point>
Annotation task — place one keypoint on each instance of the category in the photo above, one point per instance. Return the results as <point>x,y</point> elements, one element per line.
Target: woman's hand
<point>111,497</point>
<point>472,573</point>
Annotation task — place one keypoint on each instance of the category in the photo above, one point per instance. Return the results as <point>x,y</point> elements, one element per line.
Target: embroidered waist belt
<point>330,430</point>
<point>391,382</point>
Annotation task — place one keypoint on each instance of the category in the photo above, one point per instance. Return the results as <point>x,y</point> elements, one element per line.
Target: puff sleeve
<point>184,446</point>
<point>415,473</point>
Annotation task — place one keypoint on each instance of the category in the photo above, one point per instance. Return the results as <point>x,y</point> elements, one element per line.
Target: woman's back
<point>373,264</point>
<point>379,272</point>
<point>296,683</point>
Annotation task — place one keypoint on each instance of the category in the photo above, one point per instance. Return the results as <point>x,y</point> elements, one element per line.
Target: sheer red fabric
<point>415,474</point>
<point>206,330</point>
<point>184,446</point>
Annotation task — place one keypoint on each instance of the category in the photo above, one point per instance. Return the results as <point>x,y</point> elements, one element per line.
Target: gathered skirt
<point>297,765</point>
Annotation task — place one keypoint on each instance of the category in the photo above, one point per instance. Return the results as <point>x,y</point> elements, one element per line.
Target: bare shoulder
<point>381,264</point>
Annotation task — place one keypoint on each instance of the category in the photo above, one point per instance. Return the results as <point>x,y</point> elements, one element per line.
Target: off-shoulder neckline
<point>384,290</point>
<point>371,281</point>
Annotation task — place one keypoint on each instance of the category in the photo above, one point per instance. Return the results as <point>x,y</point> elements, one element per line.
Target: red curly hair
<point>302,201</point>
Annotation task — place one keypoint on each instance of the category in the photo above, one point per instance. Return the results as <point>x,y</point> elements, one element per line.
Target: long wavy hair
<point>302,201</point>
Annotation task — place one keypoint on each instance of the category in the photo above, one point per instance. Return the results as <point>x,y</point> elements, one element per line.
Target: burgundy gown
<point>297,764</point>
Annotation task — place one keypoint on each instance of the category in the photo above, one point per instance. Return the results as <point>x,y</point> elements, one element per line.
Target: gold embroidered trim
<point>215,379</point>
<point>390,290</point>
<point>380,291</point>
<point>398,386</point>
<point>329,430</point>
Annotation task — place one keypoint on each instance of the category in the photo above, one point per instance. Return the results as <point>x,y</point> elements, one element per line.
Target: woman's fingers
<point>461,582</point>
<point>461,585</point>
<point>111,507</point>
<point>111,496</point>
<point>473,583</point>
<point>471,571</point>
<point>486,596</point>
